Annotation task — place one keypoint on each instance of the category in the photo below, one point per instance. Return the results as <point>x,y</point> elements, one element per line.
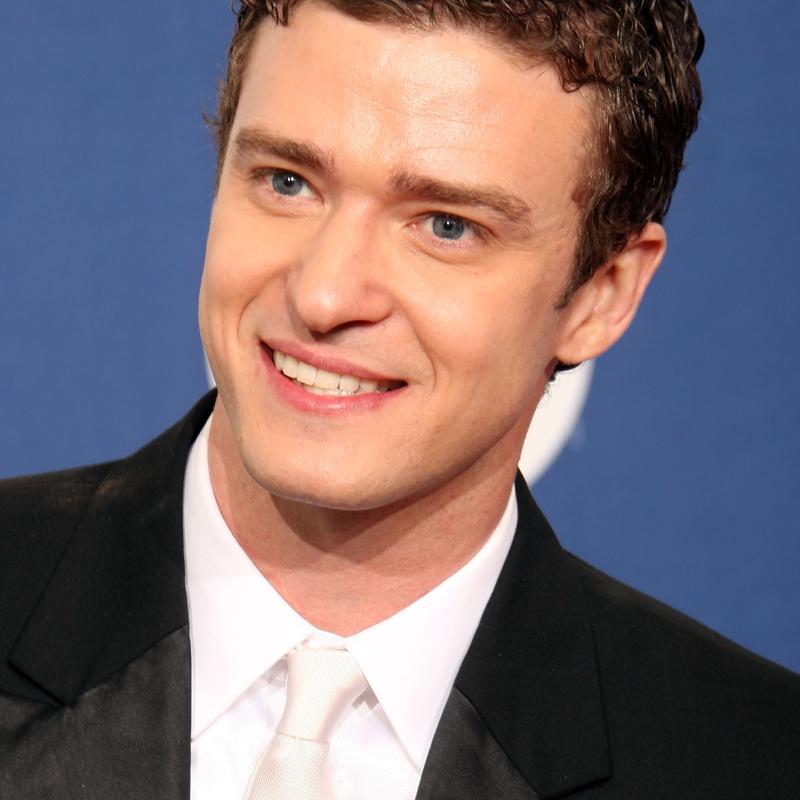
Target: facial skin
<point>347,232</point>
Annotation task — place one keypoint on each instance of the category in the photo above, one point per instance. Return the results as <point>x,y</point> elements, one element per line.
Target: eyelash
<point>262,175</point>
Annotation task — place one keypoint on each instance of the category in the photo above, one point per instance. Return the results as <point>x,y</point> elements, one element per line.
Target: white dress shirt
<point>241,630</point>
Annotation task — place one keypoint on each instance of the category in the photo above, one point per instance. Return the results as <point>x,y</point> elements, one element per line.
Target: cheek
<point>248,251</point>
<point>230,259</point>
<point>228,285</point>
<point>238,266</point>
<point>495,331</point>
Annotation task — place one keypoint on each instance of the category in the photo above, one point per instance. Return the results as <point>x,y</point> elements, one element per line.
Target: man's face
<point>395,206</point>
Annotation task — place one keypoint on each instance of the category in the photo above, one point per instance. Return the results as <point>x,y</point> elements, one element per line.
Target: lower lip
<point>288,391</point>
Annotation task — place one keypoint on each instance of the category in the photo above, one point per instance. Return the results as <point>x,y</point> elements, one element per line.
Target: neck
<point>344,571</point>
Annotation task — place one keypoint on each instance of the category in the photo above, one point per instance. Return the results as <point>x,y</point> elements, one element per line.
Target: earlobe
<point>603,308</point>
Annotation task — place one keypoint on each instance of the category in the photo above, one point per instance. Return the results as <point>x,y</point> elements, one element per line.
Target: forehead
<point>435,100</point>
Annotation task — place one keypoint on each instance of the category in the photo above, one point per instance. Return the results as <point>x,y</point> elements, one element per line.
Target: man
<point>422,211</point>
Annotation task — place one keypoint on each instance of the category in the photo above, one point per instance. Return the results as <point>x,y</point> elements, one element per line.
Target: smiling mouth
<point>323,382</point>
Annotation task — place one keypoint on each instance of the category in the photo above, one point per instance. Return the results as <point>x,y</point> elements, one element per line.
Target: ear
<point>601,310</point>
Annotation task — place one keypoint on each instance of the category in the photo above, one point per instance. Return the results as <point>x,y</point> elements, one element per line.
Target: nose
<point>339,278</point>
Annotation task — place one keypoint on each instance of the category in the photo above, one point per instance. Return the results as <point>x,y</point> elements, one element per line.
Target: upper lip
<point>335,364</point>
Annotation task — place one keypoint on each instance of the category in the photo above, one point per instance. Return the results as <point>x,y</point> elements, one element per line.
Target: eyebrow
<point>258,141</point>
<point>513,209</point>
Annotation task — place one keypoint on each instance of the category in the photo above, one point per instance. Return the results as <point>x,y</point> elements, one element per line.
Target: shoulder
<point>672,684</point>
<point>37,512</point>
<point>48,491</point>
<point>37,509</point>
<point>657,637</point>
<point>40,513</point>
<point>91,564</point>
<point>38,518</point>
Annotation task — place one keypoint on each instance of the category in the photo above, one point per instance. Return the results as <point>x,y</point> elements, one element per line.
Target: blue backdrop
<point>682,477</point>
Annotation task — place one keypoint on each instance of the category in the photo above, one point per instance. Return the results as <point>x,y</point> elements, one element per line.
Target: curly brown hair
<point>638,57</point>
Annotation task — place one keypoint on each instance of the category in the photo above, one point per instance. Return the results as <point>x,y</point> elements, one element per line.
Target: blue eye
<point>287,183</point>
<point>447,227</point>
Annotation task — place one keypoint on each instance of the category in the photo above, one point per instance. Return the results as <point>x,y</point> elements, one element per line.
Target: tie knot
<point>321,684</point>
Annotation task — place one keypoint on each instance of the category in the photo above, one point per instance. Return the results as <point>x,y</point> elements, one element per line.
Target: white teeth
<point>290,366</point>
<point>306,373</point>
<point>324,382</point>
<point>348,383</point>
<point>327,380</point>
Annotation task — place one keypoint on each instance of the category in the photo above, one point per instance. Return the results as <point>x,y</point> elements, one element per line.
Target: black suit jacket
<point>574,685</point>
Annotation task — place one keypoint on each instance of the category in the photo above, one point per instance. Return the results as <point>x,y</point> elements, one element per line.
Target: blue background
<point>682,477</point>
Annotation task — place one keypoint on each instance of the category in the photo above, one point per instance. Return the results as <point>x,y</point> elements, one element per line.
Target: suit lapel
<point>526,709</point>
<point>126,739</point>
<point>118,587</point>
<point>107,640</point>
<point>466,762</point>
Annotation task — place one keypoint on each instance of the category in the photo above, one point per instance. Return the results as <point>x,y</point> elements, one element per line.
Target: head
<point>447,198</point>
<point>637,57</point>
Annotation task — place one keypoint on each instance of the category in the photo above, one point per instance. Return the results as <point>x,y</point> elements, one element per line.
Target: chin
<point>324,486</point>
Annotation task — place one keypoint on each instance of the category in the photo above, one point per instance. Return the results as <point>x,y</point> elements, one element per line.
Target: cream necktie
<point>321,684</point>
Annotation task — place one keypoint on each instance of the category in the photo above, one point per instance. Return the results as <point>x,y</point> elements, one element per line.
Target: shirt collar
<point>240,626</point>
<point>411,659</point>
